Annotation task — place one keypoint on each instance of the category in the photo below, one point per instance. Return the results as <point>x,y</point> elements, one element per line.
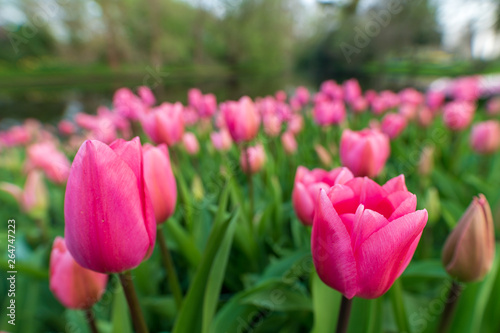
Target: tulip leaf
<point>216,277</point>
<point>326,302</point>
<point>425,269</point>
<point>120,314</point>
<point>184,241</point>
<point>190,315</point>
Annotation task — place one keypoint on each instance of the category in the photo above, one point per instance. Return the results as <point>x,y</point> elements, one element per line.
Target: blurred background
<point>58,57</point>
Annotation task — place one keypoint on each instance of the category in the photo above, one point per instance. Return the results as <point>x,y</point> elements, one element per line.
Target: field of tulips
<point>307,211</point>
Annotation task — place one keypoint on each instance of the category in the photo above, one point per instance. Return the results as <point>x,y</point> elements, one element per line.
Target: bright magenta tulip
<point>364,235</point>
<point>485,137</point>
<point>307,185</point>
<point>458,115</point>
<point>74,286</point>
<point>160,181</point>
<point>241,118</point>
<point>164,123</point>
<point>364,152</point>
<point>329,113</point>
<point>110,222</point>
<point>146,96</point>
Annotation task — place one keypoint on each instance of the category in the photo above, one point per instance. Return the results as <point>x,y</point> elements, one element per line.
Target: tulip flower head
<point>164,123</point>
<point>364,235</point>
<point>485,137</point>
<point>252,159</point>
<point>110,222</point>
<point>470,248</point>
<point>393,125</point>
<point>458,115</point>
<point>289,143</point>
<point>160,181</point>
<point>74,286</point>
<point>364,152</point>
<point>241,118</point>
<point>45,156</point>
<point>190,143</point>
<point>33,199</point>
<point>307,185</point>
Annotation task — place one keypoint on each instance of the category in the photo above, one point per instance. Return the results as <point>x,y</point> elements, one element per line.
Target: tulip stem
<point>173,281</point>
<point>89,316</point>
<point>133,302</point>
<point>344,314</point>
<point>250,185</point>
<point>398,306</point>
<point>449,309</point>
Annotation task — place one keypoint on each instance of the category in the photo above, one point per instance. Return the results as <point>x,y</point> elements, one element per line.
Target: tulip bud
<point>160,181</point>
<point>221,140</point>
<point>470,248</point>
<point>74,286</point>
<point>33,199</point>
<point>289,143</point>
<point>323,155</point>
<point>458,115</point>
<point>426,161</point>
<point>433,205</point>
<point>190,143</point>
<point>241,118</point>
<point>146,96</point>
<point>164,123</point>
<point>253,158</point>
<point>485,137</point>
<point>364,152</point>
<point>47,157</point>
<point>393,125</point>
<point>110,222</point>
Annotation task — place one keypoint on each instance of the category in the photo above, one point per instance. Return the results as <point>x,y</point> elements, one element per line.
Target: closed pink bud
<point>485,137</point>
<point>146,96</point>
<point>409,111</point>
<point>165,123</point>
<point>302,95</point>
<point>393,125</point>
<point>195,97</point>
<point>425,116</point>
<point>359,104</point>
<point>252,159</point>
<point>160,181</point>
<point>295,124</point>
<point>66,127</point>
<point>33,199</point>
<point>466,88</point>
<point>332,90</point>
<point>128,105</point>
<point>241,118</point>
<point>470,248</point>
<point>208,105</point>
<point>493,106</point>
<point>289,143</point>
<point>364,235</point>
<point>323,155</point>
<point>352,90</point>
<point>458,115</point>
<point>280,96</point>
<point>221,140</point>
<point>329,113</point>
<point>47,157</point>
<point>272,124</point>
<point>190,143</point>
<point>15,136</point>
<point>74,286</point>
<point>364,152</point>
<point>307,185</point>
<point>411,96</point>
<point>435,99</point>
<point>110,222</point>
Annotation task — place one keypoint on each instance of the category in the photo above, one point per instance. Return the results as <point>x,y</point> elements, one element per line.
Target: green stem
<point>398,306</point>
<point>344,314</point>
<point>449,310</point>
<point>89,316</point>
<point>133,302</point>
<point>250,186</point>
<point>173,281</point>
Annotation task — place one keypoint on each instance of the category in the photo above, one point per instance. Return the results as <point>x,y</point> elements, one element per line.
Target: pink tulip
<point>295,124</point>
<point>411,96</point>
<point>331,89</point>
<point>485,137</point>
<point>272,124</point>
<point>74,286</point>
<point>302,95</point>
<point>110,222</point>
<point>458,115</point>
<point>66,127</point>
<point>329,113</point>
<point>352,90</point>
<point>289,143</point>
<point>370,95</point>
<point>221,140</point>
<point>241,118</point>
<point>280,96</point>
<point>323,155</point>
<point>33,199</point>
<point>435,99</point>
<point>208,106</point>
<point>47,157</point>
<point>15,136</point>
<point>425,116</point>
<point>160,181</point>
<point>408,111</point>
<point>253,157</point>
<point>190,143</point>
<point>164,123</point>
<point>393,125</point>
<point>146,96</point>
<point>493,106</point>
<point>194,97</point>
<point>307,186</point>
<point>364,152</point>
<point>466,88</point>
<point>364,235</point>
<point>128,105</point>
<point>359,104</point>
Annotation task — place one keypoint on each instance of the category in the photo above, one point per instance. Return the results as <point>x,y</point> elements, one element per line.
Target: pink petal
<point>332,251</point>
<point>387,252</point>
<point>303,204</point>
<point>395,184</point>
<point>387,206</point>
<point>369,193</point>
<point>366,223</point>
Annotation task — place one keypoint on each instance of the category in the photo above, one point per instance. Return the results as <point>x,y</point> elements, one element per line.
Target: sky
<point>454,18</point>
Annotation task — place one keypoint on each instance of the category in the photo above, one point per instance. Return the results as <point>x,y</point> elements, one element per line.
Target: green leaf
<point>279,296</point>
<point>190,314</point>
<point>425,269</point>
<point>120,314</point>
<point>184,241</point>
<point>216,277</point>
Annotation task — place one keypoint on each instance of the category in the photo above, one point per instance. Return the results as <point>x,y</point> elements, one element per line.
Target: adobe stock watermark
<point>48,10</point>
<point>372,28</point>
